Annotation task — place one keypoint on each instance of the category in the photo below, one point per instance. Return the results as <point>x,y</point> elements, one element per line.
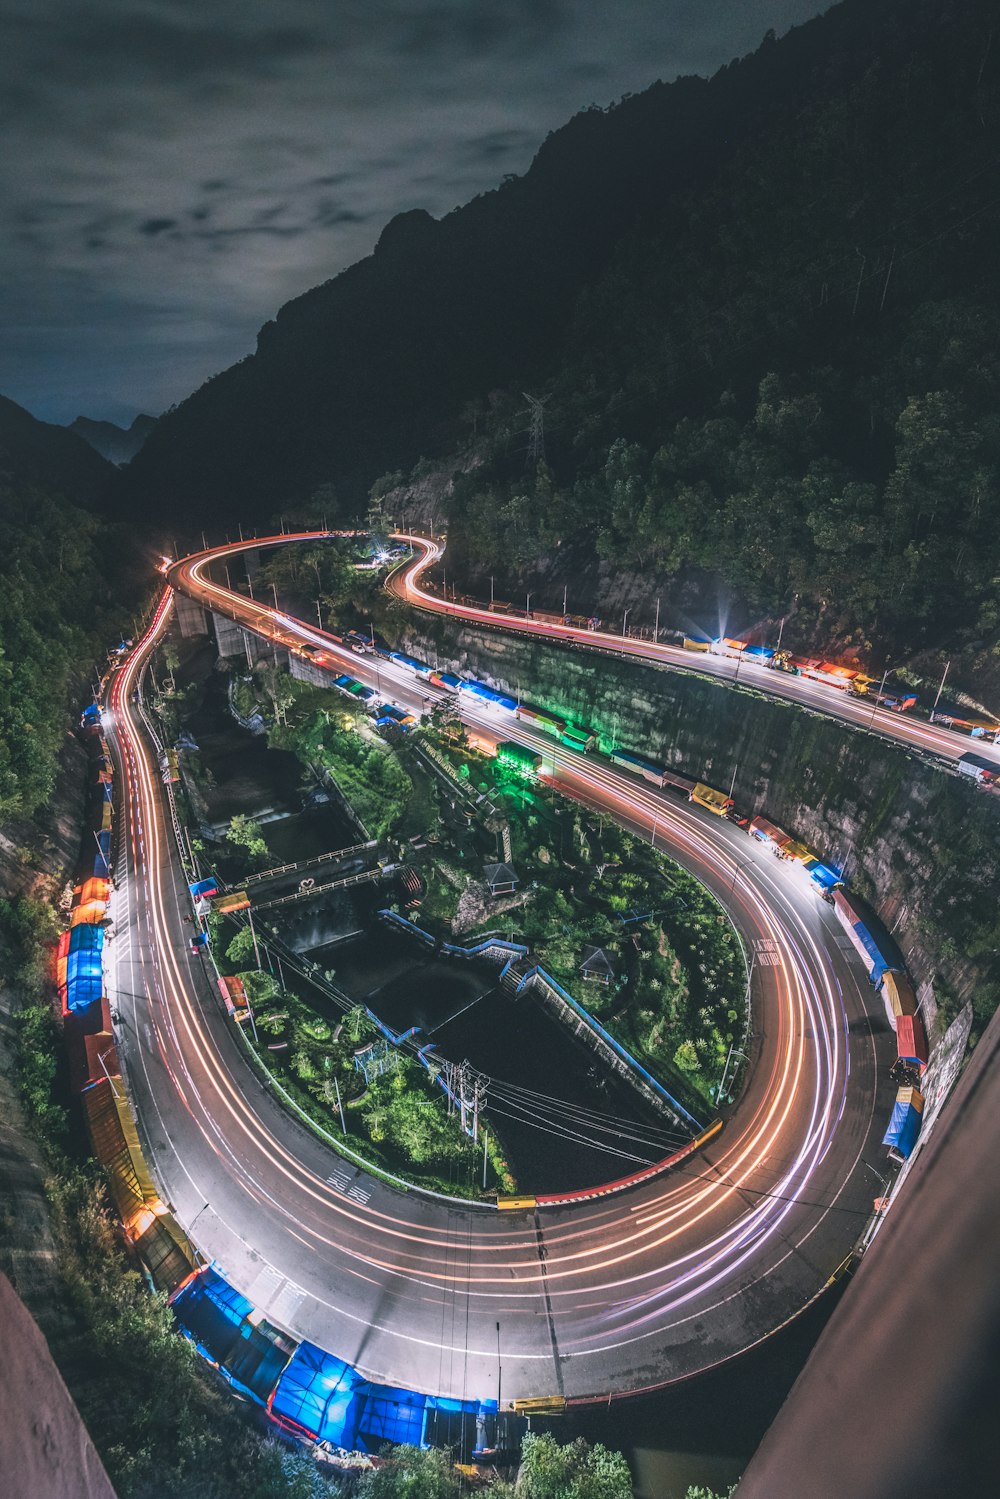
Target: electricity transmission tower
<point>470,1088</point>
<point>536,431</point>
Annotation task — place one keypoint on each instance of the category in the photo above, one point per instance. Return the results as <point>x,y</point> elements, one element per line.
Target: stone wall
<point>922,845</point>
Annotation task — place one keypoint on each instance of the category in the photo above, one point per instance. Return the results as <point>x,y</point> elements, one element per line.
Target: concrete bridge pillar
<point>190,616</point>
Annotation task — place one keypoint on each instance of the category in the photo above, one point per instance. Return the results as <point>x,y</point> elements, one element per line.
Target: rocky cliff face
<point>922,846</point>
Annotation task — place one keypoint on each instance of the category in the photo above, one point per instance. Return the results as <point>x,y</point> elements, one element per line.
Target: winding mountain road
<point>600,1298</point>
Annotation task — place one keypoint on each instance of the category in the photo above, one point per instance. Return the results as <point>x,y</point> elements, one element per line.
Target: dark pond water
<point>268,784</point>
<point>561,1120</point>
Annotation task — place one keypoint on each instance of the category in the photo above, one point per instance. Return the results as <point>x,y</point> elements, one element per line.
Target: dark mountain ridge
<point>369,370</point>
<point>764,310</point>
<point>117,444</point>
<point>55,459</point>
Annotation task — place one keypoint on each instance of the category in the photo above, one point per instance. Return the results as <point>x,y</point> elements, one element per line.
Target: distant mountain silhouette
<point>117,444</point>
<point>371,369</point>
<point>51,457</point>
<point>764,309</point>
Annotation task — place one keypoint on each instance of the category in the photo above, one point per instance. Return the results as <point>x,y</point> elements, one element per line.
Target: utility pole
<point>486,1141</point>
<point>491,588</point>
<point>879,698</point>
<point>725,1071</point>
<point>319,614</point>
<point>941,688</point>
<point>340,1106</point>
<point>656,626</point>
<point>478,1102</point>
<point>847,856</point>
<point>628,611</point>
<point>256,949</point>
<point>527,606</point>
<point>565,597</point>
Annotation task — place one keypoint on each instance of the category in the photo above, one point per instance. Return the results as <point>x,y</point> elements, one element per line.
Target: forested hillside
<point>788,384</point>
<point>66,578</point>
<point>765,314</point>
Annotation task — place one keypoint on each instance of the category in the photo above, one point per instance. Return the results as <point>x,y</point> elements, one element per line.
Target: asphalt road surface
<point>599,1298</point>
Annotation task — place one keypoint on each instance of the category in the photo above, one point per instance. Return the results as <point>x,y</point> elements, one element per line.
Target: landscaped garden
<point>636,940</point>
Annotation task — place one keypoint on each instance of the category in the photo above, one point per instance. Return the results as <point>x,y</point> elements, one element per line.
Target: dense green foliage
<point>161,1425</point>
<point>396,1122</point>
<point>574,1471</point>
<point>55,619</point>
<point>786,381</point>
<point>412,1473</point>
<point>676,1000</point>
<point>320,731</point>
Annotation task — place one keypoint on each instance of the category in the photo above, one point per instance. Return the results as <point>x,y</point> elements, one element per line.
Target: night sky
<point>174,171</point>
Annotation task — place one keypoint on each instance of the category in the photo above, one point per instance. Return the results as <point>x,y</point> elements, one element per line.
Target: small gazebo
<point>596,965</point>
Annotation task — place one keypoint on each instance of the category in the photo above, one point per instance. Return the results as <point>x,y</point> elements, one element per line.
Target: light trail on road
<point>597,1298</point>
<point>915,733</point>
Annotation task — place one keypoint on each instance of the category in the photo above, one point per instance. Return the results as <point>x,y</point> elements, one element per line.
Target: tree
<point>241,949</point>
<point>412,1473</point>
<point>574,1471</point>
<point>357,1022</point>
<point>246,833</point>
<point>261,987</point>
<point>686,1058</point>
<point>171,660</point>
<point>277,684</point>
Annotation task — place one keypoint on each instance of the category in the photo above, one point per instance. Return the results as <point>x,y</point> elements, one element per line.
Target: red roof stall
<point>768,832</point>
<point>911,1040</point>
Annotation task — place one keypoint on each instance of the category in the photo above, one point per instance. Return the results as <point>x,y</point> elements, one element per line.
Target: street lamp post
<point>628,611</point>
<point>879,698</point>
<point>527,606</point>
<point>941,688</point>
<point>725,1071</point>
<point>656,626</point>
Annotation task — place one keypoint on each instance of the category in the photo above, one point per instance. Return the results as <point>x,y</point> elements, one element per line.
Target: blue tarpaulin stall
<point>84,974</point>
<point>102,860</point>
<point>210,1312</point>
<point>822,874</point>
<point>316,1394</point>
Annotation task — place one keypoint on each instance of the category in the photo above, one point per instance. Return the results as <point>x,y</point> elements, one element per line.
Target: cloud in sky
<point>173,172</point>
